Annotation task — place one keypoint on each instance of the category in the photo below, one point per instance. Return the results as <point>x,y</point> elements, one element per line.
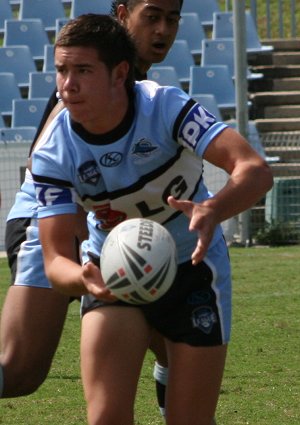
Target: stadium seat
<point>59,23</point>
<point>19,61</point>
<point>164,76</point>
<point>41,84</point>
<point>9,90</point>
<point>180,57</point>
<point>17,135</point>
<point>6,13</point>
<point>223,28</point>
<point>28,112</point>
<point>221,52</point>
<point>46,10</point>
<point>2,123</point>
<point>191,30</point>
<point>48,64</point>
<point>79,7</point>
<point>204,9</point>
<point>208,101</point>
<point>216,80</point>
<point>30,32</point>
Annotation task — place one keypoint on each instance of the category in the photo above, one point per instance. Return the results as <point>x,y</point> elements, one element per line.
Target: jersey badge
<point>111,159</point>
<point>204,319</point>
<point>143,148</point>
<point>88,173</point>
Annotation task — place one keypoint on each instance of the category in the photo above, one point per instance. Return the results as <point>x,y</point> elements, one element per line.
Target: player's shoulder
<point>151,90</point>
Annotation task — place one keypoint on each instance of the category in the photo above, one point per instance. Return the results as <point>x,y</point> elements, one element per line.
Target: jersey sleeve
<point>51,175</point>
<point>194,126</point>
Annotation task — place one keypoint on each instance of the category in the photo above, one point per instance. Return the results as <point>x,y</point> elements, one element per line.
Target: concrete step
<point>285,154</point>
<point>277,71</point>
<point>275,84</point>
<point>286,58</point>
<point>283,44</point>
<point>286,170</point>
<point>275,98</point>
<point>282,111</point>
<point>277,124</point>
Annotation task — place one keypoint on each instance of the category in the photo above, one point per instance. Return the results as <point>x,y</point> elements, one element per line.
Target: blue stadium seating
<point>164,76</point>
<point>204,9</point>
<point>30,32</point>
<point>223,28</point>
<point>46,10</point>
<point>17,134</point>
<point>6,13</point>
<point>221,52</point>
<point>41,84</point>
<point>79,7</point>
<point>191,30</point>
<point>216,80</point>
<point>18,60</point>
<point>9,90</point>
<point>28,112</point>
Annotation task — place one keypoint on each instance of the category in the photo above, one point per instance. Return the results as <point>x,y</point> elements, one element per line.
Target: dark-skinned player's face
<point>153,24</point>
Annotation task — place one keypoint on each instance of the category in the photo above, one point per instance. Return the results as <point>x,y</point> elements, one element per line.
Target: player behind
<point>109,116</point>
<point>29,341</point>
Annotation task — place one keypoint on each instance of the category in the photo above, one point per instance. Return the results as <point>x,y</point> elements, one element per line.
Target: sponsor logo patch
<point>194,125</point>
<point>111,159</point>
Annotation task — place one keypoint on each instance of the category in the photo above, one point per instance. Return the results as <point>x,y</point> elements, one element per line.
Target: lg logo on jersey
<point>196,123</point>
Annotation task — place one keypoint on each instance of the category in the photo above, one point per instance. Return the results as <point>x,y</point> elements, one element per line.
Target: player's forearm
<point>66,276</point>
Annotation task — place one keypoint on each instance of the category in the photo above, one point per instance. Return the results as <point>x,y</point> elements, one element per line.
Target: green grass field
<point>262,378</point>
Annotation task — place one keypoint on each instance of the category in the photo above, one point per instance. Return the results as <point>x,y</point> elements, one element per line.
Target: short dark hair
<point>130,4</point>
<point>106,35</point>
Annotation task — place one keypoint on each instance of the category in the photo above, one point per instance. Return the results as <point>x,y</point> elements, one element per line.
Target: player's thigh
<point>113,345</point>
<point>31,324</point>
<point>195,376</point>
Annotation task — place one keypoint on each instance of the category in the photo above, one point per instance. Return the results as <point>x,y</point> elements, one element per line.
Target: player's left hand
<point>202,220</point>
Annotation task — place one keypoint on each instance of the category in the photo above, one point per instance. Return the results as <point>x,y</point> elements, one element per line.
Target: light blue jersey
<point>155,152</point>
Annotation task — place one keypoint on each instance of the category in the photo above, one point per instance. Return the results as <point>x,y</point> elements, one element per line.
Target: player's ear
<point>120,73</point>
<point>122,14</point>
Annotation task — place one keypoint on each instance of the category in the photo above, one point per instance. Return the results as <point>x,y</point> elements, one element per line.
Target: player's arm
<point>249,179</point>
<point>57,235</point>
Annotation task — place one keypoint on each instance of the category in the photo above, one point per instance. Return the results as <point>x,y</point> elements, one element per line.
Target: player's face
<point>88,89</point>
<point>153,24</point>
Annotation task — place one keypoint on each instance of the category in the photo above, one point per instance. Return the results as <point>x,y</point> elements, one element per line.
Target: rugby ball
<point>138,261</point>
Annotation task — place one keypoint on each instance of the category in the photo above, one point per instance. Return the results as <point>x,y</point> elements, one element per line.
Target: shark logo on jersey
<point>111,159</point>
<point>195,124</point>
<point>204,319</point>
<point>88,173</point>
<point>143,148</point>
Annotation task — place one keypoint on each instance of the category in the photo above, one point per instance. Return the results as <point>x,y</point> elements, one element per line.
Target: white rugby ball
<point>138,261</point>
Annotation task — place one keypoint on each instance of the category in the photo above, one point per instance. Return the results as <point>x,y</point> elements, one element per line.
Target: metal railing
<point>274,18</point>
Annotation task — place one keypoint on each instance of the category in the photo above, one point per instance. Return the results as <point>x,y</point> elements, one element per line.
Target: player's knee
<point>98,415</point>
<point>20,379</point>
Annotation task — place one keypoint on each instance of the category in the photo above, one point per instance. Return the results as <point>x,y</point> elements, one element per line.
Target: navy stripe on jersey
<point>138,185</point>
<point>50,180</point>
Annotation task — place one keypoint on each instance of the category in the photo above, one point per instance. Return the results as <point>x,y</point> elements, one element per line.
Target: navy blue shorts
<point>197,308</point>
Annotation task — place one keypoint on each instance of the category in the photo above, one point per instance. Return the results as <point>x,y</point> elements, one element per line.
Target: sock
<point>1,381</point>
<point>160,374</point>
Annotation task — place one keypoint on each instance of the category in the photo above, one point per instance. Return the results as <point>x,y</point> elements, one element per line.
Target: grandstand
<point>20,18</point>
